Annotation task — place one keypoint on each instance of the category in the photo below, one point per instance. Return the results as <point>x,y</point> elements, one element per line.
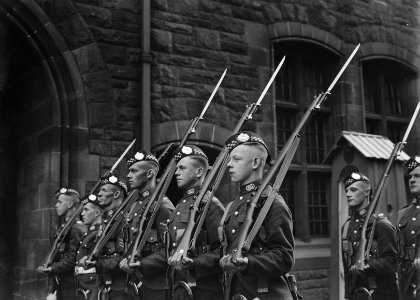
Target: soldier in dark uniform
<point>260,272</point>
<point>112,191</point>
<point>408,220</point>
<point>62,268</point>
<point>88,279</point>
<point>199,275</point>
<point>377,280</point>
<point>143,279</point>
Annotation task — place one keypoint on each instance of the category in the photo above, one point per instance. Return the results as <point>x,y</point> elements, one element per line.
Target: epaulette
<point>79,222</point>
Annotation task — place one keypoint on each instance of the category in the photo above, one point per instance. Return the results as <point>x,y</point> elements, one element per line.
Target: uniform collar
<point>415,201</point>
<point>250,187</point>
<point>191,191</point>
<point>144,194</point>
<point>94,227</point>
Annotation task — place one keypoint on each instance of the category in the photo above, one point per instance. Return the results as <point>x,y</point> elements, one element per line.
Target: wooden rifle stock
<point>211,182</point>
<point>158,193</point>
<point>365,244</point>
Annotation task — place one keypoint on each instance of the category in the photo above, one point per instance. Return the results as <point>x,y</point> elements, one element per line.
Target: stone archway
<point>44,137</point>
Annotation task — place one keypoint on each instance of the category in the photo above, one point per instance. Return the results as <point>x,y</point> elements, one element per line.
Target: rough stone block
<point>119,135</point>
<point>75,31</point>
<point>161,40</point>
<point>114,54</point>
<point>98,87</point>
<point>124,72</point>
<point>101,116</point>
<point>188,52</point>
<point>237,48</point>
<point>114,36</point>
<point>126,5</point>
<point>100,147</point>
<point>127,114</point>
<point>208,39</point>
<point>126,21</point>
<point>95,15</point>
<point>89,59</point>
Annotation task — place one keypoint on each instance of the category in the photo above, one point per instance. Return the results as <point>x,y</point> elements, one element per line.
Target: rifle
<point>72,220</point>
<point>365,244</point>
<point>117,218</point>
<point>158,193</point>
<point>211,182</point>
<point>245,236</point>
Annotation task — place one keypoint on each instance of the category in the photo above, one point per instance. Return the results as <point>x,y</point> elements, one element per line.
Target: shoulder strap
<point>346,229</point>
<point>222,221</point>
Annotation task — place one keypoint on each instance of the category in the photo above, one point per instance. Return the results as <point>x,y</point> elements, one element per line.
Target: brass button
<point>236,213</point>
<point>413,219</point>
<point>241,197</point>
<point>233,231</point>
<point>413,232</point>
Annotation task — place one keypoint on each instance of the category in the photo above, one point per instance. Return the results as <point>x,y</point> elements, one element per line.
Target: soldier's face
<point>356,195</point>
<point>89,214</point>
<point>240,164</point>
<point>137,175</point>
<point>106,195</point>
<point>186,173</point>
<point>63,204</point>
<point>414,182</point>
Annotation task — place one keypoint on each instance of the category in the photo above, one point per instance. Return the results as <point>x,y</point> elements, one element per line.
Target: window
<point>318,205</point>
<point>285,125</point>
<point>315,140</point>
<point>287,191</point>
<point>388,88</point>
<point>308,70</point>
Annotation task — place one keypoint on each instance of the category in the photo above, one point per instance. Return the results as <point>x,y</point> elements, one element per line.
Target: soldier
<point>377,280</point>
<point>112,191</point>
<point>199,275</point>
<point>260,272</point>
<point>89,281</point>
<point>144,280</point>
<point>63,266</point>
<point>408,220</point>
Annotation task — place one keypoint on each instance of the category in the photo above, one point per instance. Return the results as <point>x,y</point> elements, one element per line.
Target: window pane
<point>285,125</point>
<point>315,147</point>
<point>396,131</point>
<point>284,84</point>
<point>313,79</point>
<point>318,205</point>
<point>286,190</point>
<point>392,98</point>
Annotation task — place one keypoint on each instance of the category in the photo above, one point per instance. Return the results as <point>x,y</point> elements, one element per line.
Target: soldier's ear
<point>117,194</point>
<point>150,173</point>
<point>199,171</point>
<point>256,162</point>
<point>70,204</point>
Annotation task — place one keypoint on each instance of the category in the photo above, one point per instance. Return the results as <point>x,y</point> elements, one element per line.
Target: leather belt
<point>81,270</point>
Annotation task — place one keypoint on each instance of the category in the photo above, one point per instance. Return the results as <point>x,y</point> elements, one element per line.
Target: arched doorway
<point>43,130</point>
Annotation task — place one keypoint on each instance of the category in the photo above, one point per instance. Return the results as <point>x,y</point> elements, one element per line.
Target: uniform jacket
<point>205,272</point>
<point>155,241</point>
<point>408,220</point>
<point>381,274</point>
<point>271,252</point>
<point>66,257</point>
<point>64,263</point>
<point>108,260</point>
<point>89,281</point>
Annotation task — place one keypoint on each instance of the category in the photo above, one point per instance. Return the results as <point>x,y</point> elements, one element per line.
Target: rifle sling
<point>272,192</point>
